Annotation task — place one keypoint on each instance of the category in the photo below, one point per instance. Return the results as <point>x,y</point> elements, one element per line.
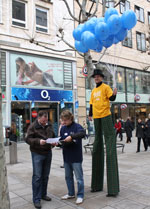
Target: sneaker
<point>79,200</point>
<point>66,197</point>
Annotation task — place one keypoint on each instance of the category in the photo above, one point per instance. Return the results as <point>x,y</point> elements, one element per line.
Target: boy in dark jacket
<point>72,133</point>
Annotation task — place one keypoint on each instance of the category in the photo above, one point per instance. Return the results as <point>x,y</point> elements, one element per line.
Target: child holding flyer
<point>72,133</point>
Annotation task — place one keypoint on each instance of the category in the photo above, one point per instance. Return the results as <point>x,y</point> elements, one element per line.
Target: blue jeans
<point>41,169</point>
<point>77,169</point>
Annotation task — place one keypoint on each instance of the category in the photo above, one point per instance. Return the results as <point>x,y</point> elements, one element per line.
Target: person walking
<point>118,129</point>
<point>147,130</point>
<point>41,154</point>
<point>140,135</point>
<point>13,132</point>
<point>72,133</point>
<point>128,129</point>
<point>100,99</point>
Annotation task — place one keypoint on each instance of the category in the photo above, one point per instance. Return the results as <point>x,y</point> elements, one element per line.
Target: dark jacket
<point>129,128</point>
<point>147,128</point>
<point>140,130</point>
<point>72,152</point>
<point>35,133</point>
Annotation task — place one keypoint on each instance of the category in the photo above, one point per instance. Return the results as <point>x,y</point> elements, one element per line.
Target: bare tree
<point>87,10</point>
<point>4,194</point>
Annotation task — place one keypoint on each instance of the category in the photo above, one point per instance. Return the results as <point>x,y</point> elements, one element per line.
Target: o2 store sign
<point>45,95</point>
<point>27,94</point>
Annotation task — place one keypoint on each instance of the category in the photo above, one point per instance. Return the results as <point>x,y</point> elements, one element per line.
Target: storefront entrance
<point>24,113</point>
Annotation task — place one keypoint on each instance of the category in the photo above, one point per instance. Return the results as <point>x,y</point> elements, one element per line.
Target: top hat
<point>97,72</point>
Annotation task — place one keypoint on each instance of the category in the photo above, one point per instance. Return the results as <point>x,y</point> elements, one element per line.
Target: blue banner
<point>41,95</point>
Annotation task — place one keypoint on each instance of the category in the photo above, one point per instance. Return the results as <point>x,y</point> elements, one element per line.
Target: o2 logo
<point>45,94</point>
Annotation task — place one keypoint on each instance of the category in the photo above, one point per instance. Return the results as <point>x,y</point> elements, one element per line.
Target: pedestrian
<point>128,129</point>
<point>118,129</point>
<point>13,132</point>
<point>41,153</point>
<point>140,135</point>
<point>60,126</point>
<point>147,127</point>
<point>72,133</point>
<point>100,99</point>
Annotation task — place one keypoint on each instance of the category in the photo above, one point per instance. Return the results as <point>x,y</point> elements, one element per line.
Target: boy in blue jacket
<point>72,133</point>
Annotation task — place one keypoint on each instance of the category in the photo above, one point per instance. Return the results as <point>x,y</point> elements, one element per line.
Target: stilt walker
<point>101,96</point>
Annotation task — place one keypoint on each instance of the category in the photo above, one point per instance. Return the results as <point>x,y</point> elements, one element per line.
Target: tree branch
<point>96,8</point>
<point>67,43</point>
<point>55,50</point>
<point>123,1</point>
<point>79,4</point>
<point>101,56</point>
<point>67,5</point>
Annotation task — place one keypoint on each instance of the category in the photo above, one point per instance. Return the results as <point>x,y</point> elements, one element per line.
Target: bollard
<point>13,152</point>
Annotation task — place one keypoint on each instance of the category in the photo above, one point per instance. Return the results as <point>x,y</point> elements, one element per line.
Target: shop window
<point>120,79</point>
<point>124,6</point>
<point>130,80</point>
<point>145,82</point>
<point>139,13</point>
<point>142,82</point>
<point>18,13</point>
<point>42,20</point>
<point>141,41</point>
<point>128,40</point>
<point>148,17</point>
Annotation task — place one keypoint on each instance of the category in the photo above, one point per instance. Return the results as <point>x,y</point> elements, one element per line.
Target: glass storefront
<point>24,113</point>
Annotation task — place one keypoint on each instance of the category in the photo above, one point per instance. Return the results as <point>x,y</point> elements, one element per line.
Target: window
<point>141,42</point>
<point>18,13</point>
<point>109,3</point>
<point>120,79</point>
<point>139,13</point>
<point>41,20</point>
<point>124,6</point>
<point>142,82</point>
<point>3,74</point>
<point>130,80</point>
<point>148,17</point>
<point>128,40</point>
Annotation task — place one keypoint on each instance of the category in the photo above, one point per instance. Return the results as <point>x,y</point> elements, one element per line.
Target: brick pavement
<point>134,170</point>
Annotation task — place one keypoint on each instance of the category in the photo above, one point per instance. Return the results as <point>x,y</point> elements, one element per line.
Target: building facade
<point>131,61</point>
<point>37,71</point>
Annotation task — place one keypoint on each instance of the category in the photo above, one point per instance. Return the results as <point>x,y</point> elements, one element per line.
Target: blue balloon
<point>114,24</point>
<point>121,34</point>
<point>89,40</point>
<point>109,12</point>
<point>129,19</point>
<point>79,47</point>
<point>115,40</point>
<point>77,32</point>
<point>108,42</point>
<point>100,19</point>
<point>99,47</point>
<point>101,31</point>
<point>90,25</point>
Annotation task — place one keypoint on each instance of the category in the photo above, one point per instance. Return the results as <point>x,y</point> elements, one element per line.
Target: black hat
<point>98,72</point>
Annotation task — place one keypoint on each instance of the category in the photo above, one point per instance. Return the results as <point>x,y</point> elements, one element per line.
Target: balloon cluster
<point>101,32</point>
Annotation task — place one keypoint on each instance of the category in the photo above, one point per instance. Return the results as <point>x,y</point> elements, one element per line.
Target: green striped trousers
<point>105,126</point>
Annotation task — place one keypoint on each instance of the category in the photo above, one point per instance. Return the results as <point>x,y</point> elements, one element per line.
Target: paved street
<point>134,169</point>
